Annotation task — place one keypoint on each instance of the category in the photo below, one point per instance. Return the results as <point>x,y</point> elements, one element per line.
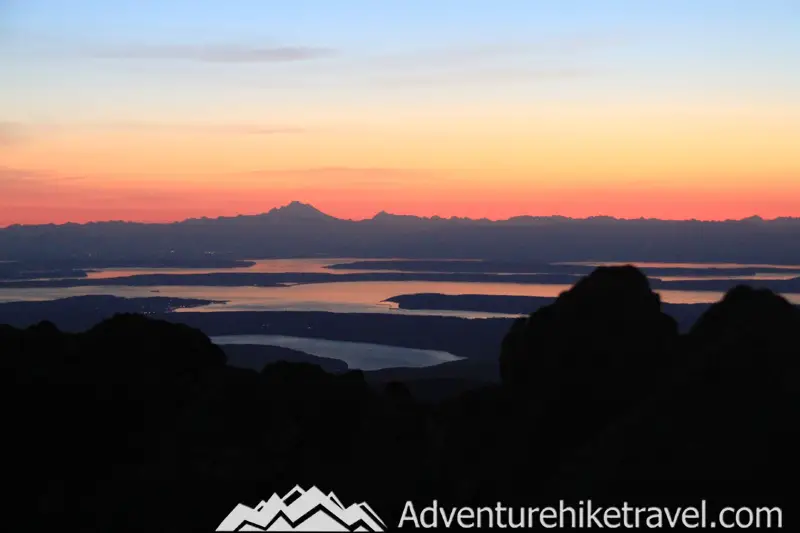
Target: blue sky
<point>153,54</point>
<point>755,36</point>
<point>393,22</point>
<point>689,46</point>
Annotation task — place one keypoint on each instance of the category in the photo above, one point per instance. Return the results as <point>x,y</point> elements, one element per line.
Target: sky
<point>160,110</point>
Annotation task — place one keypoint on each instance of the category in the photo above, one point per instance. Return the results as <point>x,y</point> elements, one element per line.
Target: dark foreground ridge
<point>139,425</point>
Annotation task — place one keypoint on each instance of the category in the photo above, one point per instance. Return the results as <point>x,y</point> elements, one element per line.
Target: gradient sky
<point>165,109</point>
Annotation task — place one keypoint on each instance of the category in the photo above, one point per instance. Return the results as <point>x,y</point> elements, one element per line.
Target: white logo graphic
<point>303,510</point>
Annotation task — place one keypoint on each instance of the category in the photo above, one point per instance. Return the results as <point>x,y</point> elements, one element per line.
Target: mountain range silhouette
<point>297,211</point>
<point>301,230</point>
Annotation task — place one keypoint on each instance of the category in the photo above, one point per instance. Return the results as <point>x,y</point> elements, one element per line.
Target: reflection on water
<point>340,297</point>
<point>319,266</point>
<point>352,296</point>
<point>762,276</point>
<point>262,266</point>
<point>357,355</point>
<point>655,264</point>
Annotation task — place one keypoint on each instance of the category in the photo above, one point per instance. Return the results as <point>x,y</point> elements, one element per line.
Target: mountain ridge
<point>302,230</point>
<point>297,210</point>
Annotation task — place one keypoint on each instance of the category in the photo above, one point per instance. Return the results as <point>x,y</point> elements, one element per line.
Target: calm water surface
<point>656,264</point>
<point>319,265</point>
<point>344,297</point>
<point>262,266</point>
<point>357,355</point>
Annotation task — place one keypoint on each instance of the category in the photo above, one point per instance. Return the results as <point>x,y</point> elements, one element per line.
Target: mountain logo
<point>303,510</point>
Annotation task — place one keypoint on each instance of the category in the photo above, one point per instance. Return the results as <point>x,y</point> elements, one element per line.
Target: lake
<point>357,355</point>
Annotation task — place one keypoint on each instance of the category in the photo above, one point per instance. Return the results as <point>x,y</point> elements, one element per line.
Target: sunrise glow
<point>169,110</point>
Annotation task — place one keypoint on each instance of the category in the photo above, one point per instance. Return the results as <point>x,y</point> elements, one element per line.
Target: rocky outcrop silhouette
<point>139,425</point>
<point>596,350</point>
<point>722,426</point>
<point>83,407</point>
<point>750,330</point>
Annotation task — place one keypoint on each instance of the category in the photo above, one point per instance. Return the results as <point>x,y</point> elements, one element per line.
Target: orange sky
<point>709,164</point>
<point>633,109</point>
